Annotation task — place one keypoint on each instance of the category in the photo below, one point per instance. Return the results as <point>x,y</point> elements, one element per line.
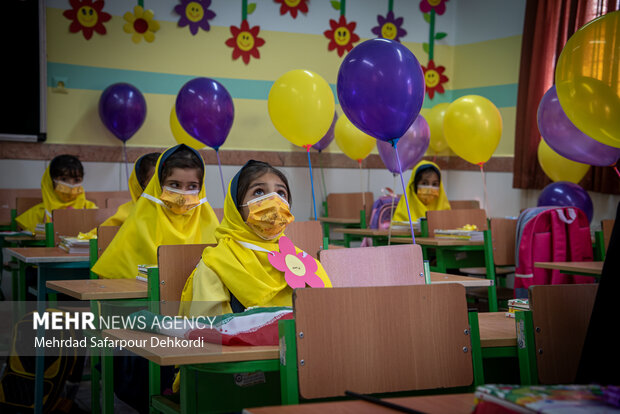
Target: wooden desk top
<point>339,220</point>
<point>463,280</point>
<point>209,353</point>
<point>437,241</point>
<point>594,268</point>
<point>373,232</point>
<point>100,289</point>
<point>430,404</point>
<point>44,255</point>
<point>25,238</point>
<point>496,329</point>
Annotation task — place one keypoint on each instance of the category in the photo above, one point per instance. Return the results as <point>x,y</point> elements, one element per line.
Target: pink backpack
<point>559,234</point>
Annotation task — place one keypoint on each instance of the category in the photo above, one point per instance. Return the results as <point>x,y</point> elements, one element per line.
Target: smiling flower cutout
<point>87,16</point>
<point>194,13</point>
<point>434,78</point>
<point>389,28</point>
<point>341,35</point>
<point>245,41</point>
<point>299,268</point>
<point>141,24</point>
<point>293,6</point>
<point>438,5</point>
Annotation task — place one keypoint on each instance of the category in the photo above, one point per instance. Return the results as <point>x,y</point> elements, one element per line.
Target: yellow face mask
<point>67,192</point>
<point>427,193</point>
<point>179,201</point>
<point>269,215</point>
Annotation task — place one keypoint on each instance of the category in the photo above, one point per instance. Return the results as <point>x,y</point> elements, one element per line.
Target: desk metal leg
<point>95,377</point>
<point>40,351</point>
<point>21,289</point>
<point>526,348</point>
<point>489,263</point>
<point>188,390</point>
<point>107,383</point>
<point>154,384</point>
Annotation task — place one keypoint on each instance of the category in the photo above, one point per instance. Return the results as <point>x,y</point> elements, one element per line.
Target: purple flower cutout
<point>389,28</point>
<point>194,13</point>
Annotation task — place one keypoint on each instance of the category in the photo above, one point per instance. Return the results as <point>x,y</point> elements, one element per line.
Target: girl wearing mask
<point>424,191</point>
<point>173,209</point>
<point>61,187</point>
<point>238,272</point>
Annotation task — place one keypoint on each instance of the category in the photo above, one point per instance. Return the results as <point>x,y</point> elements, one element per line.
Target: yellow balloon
<point>353,142</point>
<point>301,106</point>
<point>180,135</point>
<point>472,126</point>
<point>434,117</point>
<point>586,79</point>
<point>559,168</point>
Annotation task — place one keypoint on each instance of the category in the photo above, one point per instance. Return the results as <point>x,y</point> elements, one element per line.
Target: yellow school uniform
<point>416,206</point>
<point>42,212</point>
<point>230,267</point>
<point>150,225</point>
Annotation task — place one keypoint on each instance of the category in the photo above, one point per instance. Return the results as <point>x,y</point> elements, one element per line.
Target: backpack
<point>555,234</point>
<point>383,209</point>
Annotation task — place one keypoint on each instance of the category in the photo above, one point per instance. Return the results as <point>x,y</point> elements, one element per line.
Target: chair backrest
<point>219,213</point>
<point>348,205</point>
<point>382,339</point>
<point>100,197</point>
<point>464,204</point>
<point>561,314</point>
<point>176,263</point>
<point>24,203</point>
<point>452,219</point>
<point>307,235</point>
<point>115,202</point>
<point>374,266</point>
<point>105,234</point>
<point>8,196</point>
<point>70,222</point>
<point>607,226</point>
<point>503,235</point>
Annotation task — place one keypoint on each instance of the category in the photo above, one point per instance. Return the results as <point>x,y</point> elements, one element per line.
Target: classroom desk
<point>430,404</point>
<point>574,268</point>
<point>466,281</point>
<point>100,289</point>
<point>377,235</point>
<point>498,335</point>
<point>335,220</point>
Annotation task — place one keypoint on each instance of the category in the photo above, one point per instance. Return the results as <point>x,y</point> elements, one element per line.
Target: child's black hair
<point>66,165</point>
<point>145,164</point>
<point>252,170</point>
<point>420,171</point>
<point>183,158</point>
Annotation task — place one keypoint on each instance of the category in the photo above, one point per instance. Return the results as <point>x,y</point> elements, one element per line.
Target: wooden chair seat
<point>482,271</point>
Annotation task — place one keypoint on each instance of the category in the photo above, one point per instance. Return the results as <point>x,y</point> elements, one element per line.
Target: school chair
<point>8,211</point>
<point>552,333</point>
<point>346,210</point>
<point>601,239</point>
<point>464,204</point>
<point>100,197</point>
<point>70,222</point>
<point>373,340</point>
<point>307,235</point>
<point>115,202</point>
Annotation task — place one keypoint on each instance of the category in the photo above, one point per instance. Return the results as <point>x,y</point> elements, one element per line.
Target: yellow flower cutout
<point>141,24</point>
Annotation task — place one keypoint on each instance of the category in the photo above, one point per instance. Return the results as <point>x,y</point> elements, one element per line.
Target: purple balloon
<point>381,88</point>
<point>328,137</point>
<point>122,110</point>
<point>566,194</point>
<point>566,139</point>
<point>411,147</point>
<point>205,110</point>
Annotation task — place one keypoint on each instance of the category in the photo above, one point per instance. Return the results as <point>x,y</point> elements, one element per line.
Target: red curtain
<point>548,25</point>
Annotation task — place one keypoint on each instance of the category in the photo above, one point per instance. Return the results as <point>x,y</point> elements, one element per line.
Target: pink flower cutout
<point>299,268</point>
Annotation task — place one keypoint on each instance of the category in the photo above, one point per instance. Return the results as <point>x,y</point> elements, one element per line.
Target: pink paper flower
<point>299,268</point>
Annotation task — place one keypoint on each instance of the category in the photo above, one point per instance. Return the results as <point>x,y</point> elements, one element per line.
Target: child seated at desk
<point>237,273</point>
<point>173,209</point>
<point>424,191</point>
<point>61,187</point>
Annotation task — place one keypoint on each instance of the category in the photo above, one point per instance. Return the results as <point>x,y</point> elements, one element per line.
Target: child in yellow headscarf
<point>61,187</point>
<point>173,209</point>
<point>238,272</point>
<point>143,170</point>
<point>424,191</point>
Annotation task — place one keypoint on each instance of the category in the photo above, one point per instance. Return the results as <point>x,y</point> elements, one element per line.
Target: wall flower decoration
<point>195,14</point>
<point>292,6</point>
<point>434,78</point>
<point>141,24</point>
<point>341,35</point>
<point>245,41</point>
<point>389,27</point>
<point>439,6</point>
<point>299,268</point>
<point>87,16</point>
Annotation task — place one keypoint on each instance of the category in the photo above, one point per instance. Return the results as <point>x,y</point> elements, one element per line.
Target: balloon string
<point>311,182</point>
<point>402,182</point>
<point>392,211</point>
<point>359,163</point>
<point>484,185</point>
<point>125,158</point>
<point>322,178</point>
<point>617,172</point>
<point>219,164</point>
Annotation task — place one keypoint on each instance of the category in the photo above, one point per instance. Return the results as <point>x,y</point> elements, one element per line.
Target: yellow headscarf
<point>42,212</point>
<point>416,206</point>
<point>151,225</point>
<point>246,273</point>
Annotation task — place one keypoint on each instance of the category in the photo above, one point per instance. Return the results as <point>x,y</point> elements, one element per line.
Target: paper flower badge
<point>299,268</point>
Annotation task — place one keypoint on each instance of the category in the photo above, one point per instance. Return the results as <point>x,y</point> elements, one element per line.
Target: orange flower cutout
<point>434,78</point>
<point>87,16</point>
<point>341,35</point>
<point>292,6</point>
<point>245,41</point>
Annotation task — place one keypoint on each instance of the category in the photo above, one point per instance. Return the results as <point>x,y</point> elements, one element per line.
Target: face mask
<point>179,201</point>
<point>67,192</point>
<point>427,193</point>
<point>269,215</point>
